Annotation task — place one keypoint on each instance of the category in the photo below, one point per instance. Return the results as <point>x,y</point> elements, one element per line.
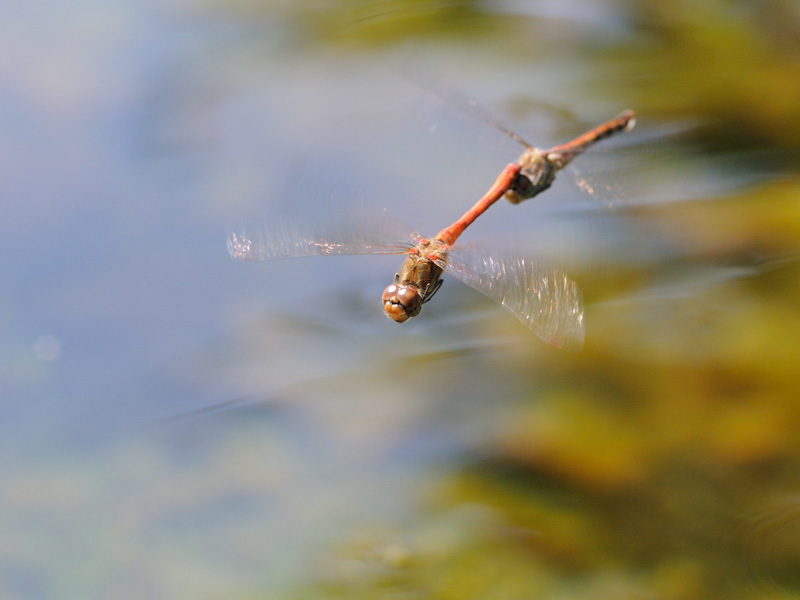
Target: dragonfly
<point>542,297</point>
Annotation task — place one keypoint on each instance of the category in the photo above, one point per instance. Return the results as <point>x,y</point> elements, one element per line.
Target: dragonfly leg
<point>432,290</point>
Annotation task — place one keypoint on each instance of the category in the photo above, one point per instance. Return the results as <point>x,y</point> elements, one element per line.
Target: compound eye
<point>409,297</point>
<point>400,302</point>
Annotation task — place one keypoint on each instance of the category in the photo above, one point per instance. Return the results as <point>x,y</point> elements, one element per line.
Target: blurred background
<point>175,424</point>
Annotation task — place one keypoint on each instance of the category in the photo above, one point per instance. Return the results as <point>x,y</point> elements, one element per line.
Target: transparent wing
<point>544,298</point>
<point>285,237</point>
<point>627,169</point>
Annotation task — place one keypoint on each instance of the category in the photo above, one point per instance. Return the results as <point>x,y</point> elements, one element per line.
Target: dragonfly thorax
<point>537,171</point>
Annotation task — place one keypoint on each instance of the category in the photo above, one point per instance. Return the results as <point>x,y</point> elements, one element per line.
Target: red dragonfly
<point>545,299</point>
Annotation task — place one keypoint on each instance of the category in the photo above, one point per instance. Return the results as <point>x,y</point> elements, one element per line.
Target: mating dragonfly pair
<point>545,299</point>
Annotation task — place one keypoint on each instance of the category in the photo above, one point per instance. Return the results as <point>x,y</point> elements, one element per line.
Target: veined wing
<point>275,238</point>
<point>544,298</point>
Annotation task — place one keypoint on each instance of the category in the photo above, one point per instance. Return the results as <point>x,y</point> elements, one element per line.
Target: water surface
<point>178,424</point>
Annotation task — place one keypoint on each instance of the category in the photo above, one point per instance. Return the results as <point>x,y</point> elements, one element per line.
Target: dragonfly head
<point>401,302</point>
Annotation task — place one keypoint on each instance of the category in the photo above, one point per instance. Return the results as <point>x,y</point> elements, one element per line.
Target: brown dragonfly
<point>544,298</point>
